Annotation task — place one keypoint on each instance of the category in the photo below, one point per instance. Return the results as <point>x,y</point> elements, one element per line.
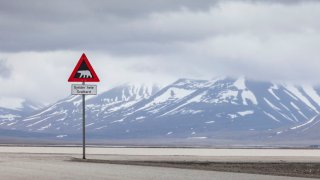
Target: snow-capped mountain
<point>12,109</point>
<point>221,108</point>
<point>65,117</point>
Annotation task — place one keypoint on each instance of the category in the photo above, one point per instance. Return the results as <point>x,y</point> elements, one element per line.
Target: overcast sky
<point>155,41</point>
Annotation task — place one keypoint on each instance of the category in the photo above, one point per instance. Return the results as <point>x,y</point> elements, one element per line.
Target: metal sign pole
<point>83,125</point>
<point>83,72</point>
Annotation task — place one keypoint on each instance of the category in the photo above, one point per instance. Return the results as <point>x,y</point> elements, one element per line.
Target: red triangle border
<point>94,78</point>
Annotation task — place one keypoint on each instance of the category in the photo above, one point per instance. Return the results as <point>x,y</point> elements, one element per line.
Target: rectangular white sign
<point>86,89</point>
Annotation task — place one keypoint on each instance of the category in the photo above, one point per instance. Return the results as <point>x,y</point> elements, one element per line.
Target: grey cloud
<point>81,25</point>
<point>61,11</point>
<point>159,40</point>
<point>5,69</point>
<point>115,26</point>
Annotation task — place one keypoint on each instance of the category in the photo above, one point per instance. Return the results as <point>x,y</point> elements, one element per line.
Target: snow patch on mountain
<point>123,106</point>
<point>246,94</point>
<point>294,90</point>
<point>304,124</point>
<point>210,122</point>
<point>138,91</point>
<point>44,127</point>
<point>8,117</point>
<point>198,98</point>
<point>249,96</point>
<point>272,89</point>
<point>245,113</point>
<point>240,84</point>
<point>170,94</point>
<point>173,93</point>
<point>271,116</point>
<point>271,105</point>
<point>37,122</point>
<point>225,97</point>
<point>312,93</point>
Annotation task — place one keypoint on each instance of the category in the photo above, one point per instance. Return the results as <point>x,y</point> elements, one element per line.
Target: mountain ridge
<point>221,108</point>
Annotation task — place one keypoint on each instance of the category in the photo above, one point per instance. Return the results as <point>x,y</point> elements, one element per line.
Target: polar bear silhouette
<point>85,74</point>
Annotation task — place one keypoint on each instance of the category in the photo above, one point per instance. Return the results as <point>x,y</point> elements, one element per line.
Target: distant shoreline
<point>154,146</point>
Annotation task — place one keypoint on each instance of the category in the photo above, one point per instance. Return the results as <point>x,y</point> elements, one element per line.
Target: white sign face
<point>86,89</point>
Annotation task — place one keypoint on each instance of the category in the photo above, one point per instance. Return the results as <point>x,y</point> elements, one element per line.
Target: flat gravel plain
<point>155,163</point>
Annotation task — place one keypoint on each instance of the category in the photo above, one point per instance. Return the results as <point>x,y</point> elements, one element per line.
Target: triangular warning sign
<point>83,72</point>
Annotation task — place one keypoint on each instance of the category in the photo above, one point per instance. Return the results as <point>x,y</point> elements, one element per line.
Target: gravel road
<point>157,163</point>
<point>39,166</point>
